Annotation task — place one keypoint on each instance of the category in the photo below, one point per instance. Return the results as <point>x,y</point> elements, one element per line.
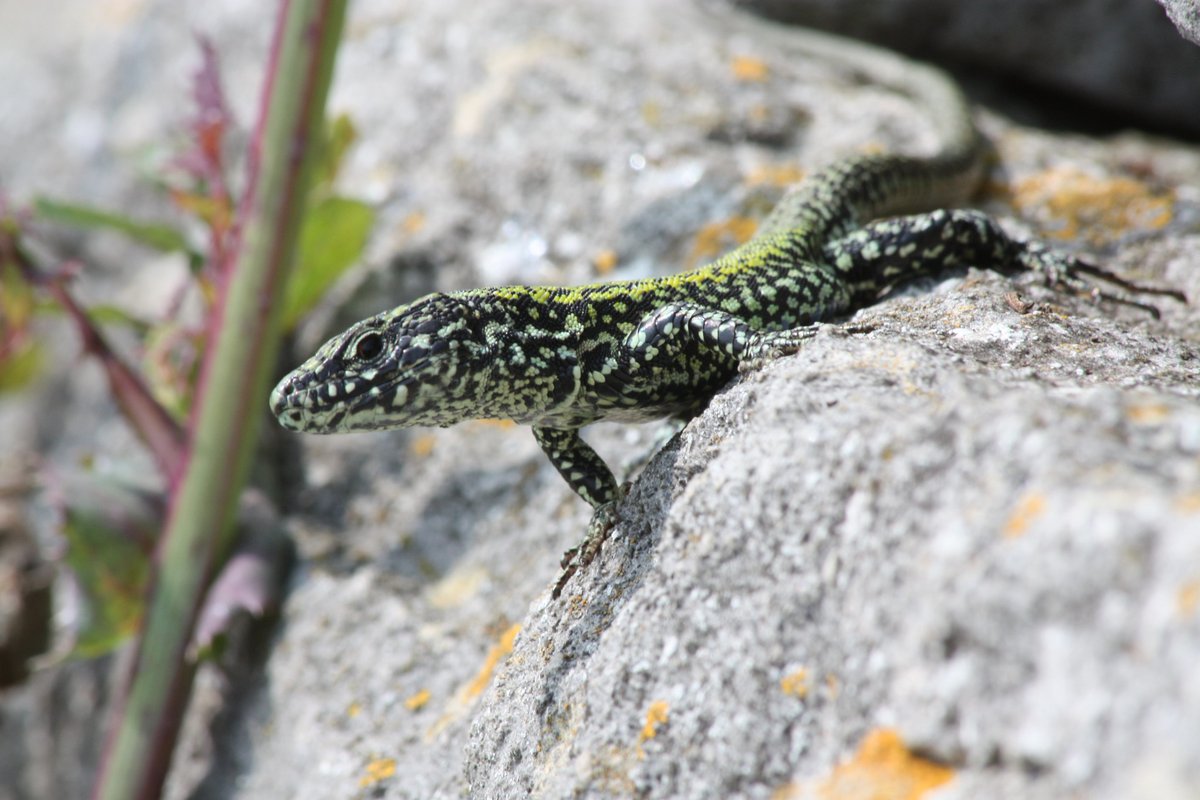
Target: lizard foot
<point>768,346</point>
<point>604,519</point>
<point>1067,272</point>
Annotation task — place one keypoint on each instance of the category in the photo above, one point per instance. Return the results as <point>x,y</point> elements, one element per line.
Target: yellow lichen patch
<point>378,769</point>
<point>605,261</point>
<point>354,709</point>
<point>457,587</point>
<point>610,771</point>
<point>422,446</point>
<point>656,715</point>
<point>795,683</point>
<point>1188,503</point>
<point>1187,599</point>
<point>1027,510</point>
<point>882,769</point>
<point>504,68</point>
<point>717,237</point>
<point>652,113</point>
<point>1148,413</point>
<point>473,688</point>
<point>1068,203</point>
<point>832,685</point>
<point>415,702</point>
<point>749,69</point>
<point>782,175</point>
<point>499,650</point>
<point>496,423</point>
<point>760,113</point>
<point>412,223</point>
<point>789,791</point>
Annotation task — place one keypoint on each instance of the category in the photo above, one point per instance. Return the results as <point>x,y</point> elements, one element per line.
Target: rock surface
<point>962,545</point>
<point>1186,17</point>
<point>1122,56</point>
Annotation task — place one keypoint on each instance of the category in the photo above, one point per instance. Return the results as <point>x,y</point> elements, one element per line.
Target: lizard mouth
<point>289,403</point>
<point>301,403</point>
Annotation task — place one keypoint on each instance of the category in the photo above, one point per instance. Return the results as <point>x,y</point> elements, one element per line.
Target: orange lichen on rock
<point>1028,509</point>
<point>1148,413</point>
<point>421,446</point>
<point>1188,503</point>
<point>749,69</point>
<point>503,424</point>
<point>605,261</point>
<point>782,175</point>
<point>378,769</point>
<point>1068,203</point>
<point>499,650</point>
<point>656,715</point>
<point>717,237</point>
<point>416,702</point>
<point>1187,599</point>
<point>795,683</point>
<point>882,769</point>
<point>413,223</point>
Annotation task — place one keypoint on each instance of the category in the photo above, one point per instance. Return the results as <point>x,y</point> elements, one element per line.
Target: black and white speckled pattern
<point>559,358</point>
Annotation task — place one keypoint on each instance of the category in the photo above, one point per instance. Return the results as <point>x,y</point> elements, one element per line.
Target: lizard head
<point>420,364</point>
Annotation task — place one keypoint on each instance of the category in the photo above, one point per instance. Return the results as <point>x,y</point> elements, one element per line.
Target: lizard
<point>558,358</point>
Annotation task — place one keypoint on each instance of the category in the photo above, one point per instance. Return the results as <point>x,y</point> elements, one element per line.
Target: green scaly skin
<point>560,358</point>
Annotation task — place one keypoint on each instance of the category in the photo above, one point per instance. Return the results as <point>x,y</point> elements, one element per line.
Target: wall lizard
<point>559,358</point>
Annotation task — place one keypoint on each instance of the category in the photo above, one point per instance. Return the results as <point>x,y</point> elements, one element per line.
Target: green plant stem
<point>243,340</point>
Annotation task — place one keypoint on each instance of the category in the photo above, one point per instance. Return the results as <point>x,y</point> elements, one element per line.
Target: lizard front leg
<point>587,474</point>
<point>676,356</point>
<point>686,351</point>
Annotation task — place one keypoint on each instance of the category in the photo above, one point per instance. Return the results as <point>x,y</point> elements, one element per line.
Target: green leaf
<point>114,315</point>
<point>340,135</point>
<point>20,355</point>
<point>101,315</point>
<point>156,235</point>
<point>332,238</point>
<point>110,529</point>
<point>18,368</point>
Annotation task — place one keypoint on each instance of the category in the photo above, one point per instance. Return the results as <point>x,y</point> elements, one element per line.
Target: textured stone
<point>1185,14</point>
<point>1122,56</point>
<point>972,526</point>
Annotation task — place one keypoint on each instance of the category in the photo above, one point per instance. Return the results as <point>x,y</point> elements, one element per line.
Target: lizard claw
<point>579,557</point>
<point>768,346</point>
<point>1065,271</point>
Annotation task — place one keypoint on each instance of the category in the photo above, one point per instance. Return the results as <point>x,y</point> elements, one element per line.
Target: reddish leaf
<point>207,194</point>
<point>252,580</point>
<point>210,121</point>
<point>165,438</point>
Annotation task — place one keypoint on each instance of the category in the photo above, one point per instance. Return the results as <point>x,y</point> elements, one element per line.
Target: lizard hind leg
<point>883,254</point>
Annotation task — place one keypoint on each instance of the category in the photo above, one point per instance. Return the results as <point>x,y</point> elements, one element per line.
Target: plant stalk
<point>243,341</point>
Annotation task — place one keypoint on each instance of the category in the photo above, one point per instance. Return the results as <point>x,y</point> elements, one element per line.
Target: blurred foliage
<point>106,525</point>
<point>110,530</point>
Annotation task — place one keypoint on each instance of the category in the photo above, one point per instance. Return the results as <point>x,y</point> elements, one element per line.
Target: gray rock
<point>1119,55</point>
<point>971,525</point>
<point>1185,14</point>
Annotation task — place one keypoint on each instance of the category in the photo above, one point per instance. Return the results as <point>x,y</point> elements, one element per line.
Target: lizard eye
<point>368,346</point>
